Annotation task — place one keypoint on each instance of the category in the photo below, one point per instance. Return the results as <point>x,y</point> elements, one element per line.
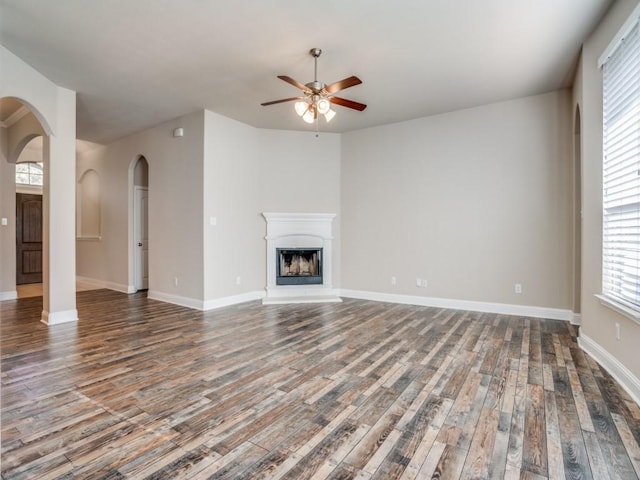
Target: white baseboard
<point>207,304</point>
<point>612,365</point>
<point>233,300</point>
<point>577,319</point>
<point>500,308</point>
<point>94,282</point>
<point>56,318</point>
<point>10,295</point>
<point>176,299</point>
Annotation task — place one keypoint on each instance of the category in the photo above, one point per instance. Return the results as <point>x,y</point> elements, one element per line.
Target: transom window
<point>29,173</point>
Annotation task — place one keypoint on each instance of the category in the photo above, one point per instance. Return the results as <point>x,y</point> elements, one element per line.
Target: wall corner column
<point>59,203</point>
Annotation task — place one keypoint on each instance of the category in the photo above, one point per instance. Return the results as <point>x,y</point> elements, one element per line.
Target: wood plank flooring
<point>141,389</point>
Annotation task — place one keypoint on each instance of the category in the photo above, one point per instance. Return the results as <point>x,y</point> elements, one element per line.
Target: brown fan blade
<point>291,99</point>
<point>347,103</point>
<point>293,82</point>
<point>342,84</point>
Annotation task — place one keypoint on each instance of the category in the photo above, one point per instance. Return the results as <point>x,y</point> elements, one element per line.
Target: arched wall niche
<point>89,206</point>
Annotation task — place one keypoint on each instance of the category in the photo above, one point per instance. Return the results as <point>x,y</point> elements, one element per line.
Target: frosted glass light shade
<point>308,116</point>
<point>300,107</point>
<point>323,105</point>
<point>329,115</point>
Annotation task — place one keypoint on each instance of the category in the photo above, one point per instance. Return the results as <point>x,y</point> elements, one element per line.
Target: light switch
<point>213,221</point>
<point>5,221</point>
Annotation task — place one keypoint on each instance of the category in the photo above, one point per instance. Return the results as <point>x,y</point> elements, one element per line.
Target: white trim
<point>88,239</point>
<point>176,299</point>
<point>94,282</point>
<point>618,307</point>
<point>233,300</point>
<point>577,319</point>
<point>14,117</point>
<point>29,189</point>
<point>488,307</point>
<point>10,295</point>
<point>301,299</point>
<point>617,370</point>
<point>624,30</point>
<point>207,304</point>
<point>56,318</point>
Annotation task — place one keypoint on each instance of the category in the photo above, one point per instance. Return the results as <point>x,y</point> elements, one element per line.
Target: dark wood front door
<point>28,238</point>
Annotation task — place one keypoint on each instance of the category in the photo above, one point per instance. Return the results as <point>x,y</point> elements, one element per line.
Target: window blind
<point>621,172</point>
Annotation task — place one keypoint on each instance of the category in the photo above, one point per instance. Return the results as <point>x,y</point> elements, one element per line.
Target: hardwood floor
<point>35,289</point>
<point>143,389</point>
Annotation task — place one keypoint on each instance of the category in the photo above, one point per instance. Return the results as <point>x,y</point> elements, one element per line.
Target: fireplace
<point>299,247</point>
<point>298,266</point>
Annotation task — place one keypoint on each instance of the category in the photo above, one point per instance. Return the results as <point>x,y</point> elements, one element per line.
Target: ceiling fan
<point>318,97</point>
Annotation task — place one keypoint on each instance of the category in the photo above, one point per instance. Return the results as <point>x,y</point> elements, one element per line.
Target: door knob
<point>139,244</point>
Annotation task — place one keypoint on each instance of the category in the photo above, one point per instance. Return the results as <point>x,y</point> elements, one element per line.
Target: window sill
<point>619,307</point>
<point>89,239</point>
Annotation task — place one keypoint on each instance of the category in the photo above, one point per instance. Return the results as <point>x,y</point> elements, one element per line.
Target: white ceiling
<point>137,63</point>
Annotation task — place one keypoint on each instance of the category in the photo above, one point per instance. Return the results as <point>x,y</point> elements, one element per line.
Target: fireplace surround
<point>299,256</point>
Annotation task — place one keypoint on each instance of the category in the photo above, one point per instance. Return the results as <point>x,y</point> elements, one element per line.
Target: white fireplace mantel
<point>299,230</point>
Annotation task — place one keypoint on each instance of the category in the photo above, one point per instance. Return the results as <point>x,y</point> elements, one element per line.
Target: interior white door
<point>141,237</point>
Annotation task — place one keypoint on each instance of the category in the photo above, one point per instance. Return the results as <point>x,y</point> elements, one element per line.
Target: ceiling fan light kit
<point>317,97</point>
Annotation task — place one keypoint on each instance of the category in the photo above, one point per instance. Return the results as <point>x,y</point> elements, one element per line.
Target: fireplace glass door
<point>299,266</point>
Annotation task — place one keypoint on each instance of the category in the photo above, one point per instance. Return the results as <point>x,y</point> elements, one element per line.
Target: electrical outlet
<point>238,280</point>
<point>617,331</point>
<point>518,288</point>
<point>418,282</point>
<point>175,281</point>
<point>5,221</point>
<point>424,283</point>
<point>393,280</point>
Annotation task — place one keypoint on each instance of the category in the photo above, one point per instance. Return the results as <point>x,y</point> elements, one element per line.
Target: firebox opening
<point>299,266</point>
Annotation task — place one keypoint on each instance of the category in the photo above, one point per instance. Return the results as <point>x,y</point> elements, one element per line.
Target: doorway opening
<point>141,224</point>
<point>28,186</point>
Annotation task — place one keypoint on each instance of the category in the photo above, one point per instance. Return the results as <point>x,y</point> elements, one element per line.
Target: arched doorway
<point>140,223</point>
<point>22,167</point>
<point>54,110</point>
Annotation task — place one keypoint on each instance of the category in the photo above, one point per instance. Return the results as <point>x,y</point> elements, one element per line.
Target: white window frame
<point>29,173</point>
<point>621,171</point>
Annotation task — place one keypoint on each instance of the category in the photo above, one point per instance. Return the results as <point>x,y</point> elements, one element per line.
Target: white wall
<point>598,322</point>
<point>222,169</point>
<point>473,201</point>
<point>175,211</point>
<point>249,171</point>
<point>8,211</point>
<point>55,109</point>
